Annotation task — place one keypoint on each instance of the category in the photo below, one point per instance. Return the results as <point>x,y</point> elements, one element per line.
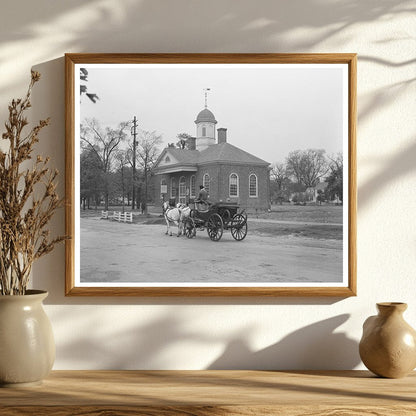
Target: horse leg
<point>167,226</point>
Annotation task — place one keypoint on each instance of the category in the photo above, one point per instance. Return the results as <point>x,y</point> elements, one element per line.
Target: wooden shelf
<point>203,393</point>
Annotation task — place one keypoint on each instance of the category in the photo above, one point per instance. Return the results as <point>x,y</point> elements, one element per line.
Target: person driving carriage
<point>202,200</point>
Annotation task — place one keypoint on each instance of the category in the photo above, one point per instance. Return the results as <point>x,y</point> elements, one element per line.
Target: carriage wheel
<point>239,227</point>
<point>189,228</point>
<point>215,227</point>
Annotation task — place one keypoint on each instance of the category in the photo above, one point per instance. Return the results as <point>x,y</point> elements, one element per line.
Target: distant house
<point>314,191</point>
<point>227,172</point>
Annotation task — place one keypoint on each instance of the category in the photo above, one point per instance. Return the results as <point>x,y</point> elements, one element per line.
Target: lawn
<point>318,231</point>
<point>318,219</point>
<point>309,213</point>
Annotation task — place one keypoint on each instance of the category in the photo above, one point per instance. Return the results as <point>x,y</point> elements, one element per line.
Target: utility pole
<point>134,134</point>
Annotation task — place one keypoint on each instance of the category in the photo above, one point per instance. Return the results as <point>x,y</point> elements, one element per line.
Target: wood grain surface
<point>203,393</point>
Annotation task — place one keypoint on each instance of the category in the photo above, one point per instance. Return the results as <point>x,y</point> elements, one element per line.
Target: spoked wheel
<point>189,228</point>
<point>239,227</point>
<point>215,227</point>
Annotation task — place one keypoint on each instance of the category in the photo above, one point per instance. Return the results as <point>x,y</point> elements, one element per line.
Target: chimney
<point>191,143</point>
<point>222,135</point>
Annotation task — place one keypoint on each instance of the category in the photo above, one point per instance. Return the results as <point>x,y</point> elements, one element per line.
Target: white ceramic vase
<point>27,346</point>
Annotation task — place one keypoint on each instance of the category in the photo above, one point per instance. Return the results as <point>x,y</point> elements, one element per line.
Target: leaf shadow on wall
<point>216,26</point>
<point>393,169</point>
<point>316,346</point>
<point>146,345</point>
<point>152,345</point>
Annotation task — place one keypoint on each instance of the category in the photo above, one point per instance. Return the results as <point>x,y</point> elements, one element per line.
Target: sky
<point>268,110</point>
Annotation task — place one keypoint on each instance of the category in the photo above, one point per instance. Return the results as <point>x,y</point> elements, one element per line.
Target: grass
<point>332,232</point>
<point>331,214</point>
<point>327,214</point>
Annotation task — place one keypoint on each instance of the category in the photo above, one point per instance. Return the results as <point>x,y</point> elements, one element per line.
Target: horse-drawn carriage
<point>217,218</point>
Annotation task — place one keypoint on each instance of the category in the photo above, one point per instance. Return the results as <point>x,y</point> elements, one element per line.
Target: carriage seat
<point>202,206</point>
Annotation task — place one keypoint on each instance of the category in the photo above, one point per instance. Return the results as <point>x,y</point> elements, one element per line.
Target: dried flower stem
<point>23,218</point>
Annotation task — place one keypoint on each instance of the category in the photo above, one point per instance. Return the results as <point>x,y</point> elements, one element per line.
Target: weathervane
<point>206,96</point>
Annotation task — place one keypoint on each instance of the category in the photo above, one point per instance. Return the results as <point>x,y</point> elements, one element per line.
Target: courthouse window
<point>253,191</point>
<point>233,184</point>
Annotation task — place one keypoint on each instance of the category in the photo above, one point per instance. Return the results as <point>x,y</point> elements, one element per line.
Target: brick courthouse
<point>227,172</point>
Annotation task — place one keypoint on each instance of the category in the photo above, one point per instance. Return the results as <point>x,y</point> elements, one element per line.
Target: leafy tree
<point>335,178</point>
<point>320,197</point>
<point>299,198</point>
<point>90,178</point>
<point>307,166</point>
<point>183,140</point>
<point>104,142</point>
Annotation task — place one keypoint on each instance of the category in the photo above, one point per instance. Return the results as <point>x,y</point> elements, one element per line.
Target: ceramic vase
<point>27,347</point>
<point>388,345</point>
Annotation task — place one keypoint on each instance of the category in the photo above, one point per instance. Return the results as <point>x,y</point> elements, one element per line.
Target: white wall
<point>198,333</point>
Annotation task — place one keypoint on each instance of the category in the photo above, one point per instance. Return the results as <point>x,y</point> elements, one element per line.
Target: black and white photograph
<point>211,175</point>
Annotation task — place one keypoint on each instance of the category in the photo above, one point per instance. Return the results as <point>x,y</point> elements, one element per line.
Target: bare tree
<point>121,157</point>
<point>279,182</point>
<point>307,166</point>
<point>103,142</point>
<point>147,153</point>
<point>278,173</point>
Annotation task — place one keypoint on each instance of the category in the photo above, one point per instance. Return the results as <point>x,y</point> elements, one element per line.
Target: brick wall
<point>219,184</point>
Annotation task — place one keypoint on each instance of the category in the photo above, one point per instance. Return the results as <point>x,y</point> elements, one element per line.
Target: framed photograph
<point>211,174</point>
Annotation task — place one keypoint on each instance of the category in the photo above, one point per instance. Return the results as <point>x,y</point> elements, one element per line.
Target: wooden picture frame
<point>324,69</point>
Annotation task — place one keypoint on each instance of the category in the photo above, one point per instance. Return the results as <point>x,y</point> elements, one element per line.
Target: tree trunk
<point>106,201</point>
<point>145,189</point>
<point>122,188</point>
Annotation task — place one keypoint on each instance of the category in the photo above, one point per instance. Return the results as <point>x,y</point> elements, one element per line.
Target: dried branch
<point>23,218</point>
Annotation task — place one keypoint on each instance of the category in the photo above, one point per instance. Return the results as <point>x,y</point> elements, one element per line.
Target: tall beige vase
<point>27,347</point>
<point>388,345</point>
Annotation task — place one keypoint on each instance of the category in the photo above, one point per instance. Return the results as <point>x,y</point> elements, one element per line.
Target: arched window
<point>234,184</point>
<point>192,187</point>
<point>163,186</point>
<point>182,190</point>
<point>204,131</point>
<point>253,187</point>
<point>205,182</point>
<point>172,188</point>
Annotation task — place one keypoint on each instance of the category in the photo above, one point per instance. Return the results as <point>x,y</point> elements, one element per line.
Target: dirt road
<point>118,252</point>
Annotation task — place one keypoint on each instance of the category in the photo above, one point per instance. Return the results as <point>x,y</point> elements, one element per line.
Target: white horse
<point>175,215</point>
<point>185,211</point>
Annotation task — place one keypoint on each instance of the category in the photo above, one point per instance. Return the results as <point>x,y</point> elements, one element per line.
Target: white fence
<point>117,216</point>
